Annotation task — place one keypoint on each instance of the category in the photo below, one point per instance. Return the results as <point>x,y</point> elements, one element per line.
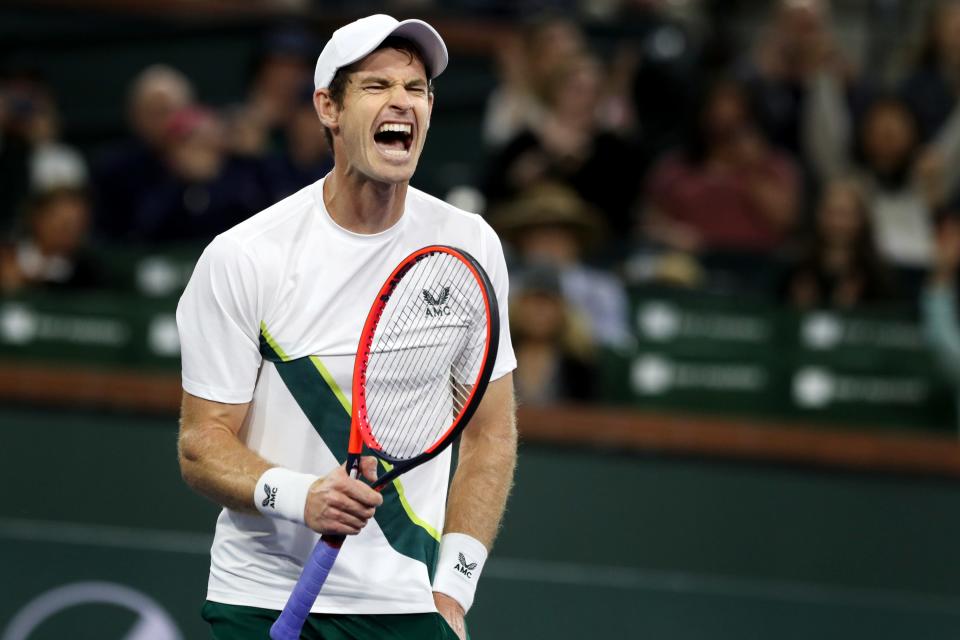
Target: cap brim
<point>429,41</point>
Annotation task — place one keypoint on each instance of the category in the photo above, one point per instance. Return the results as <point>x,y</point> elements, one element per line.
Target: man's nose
<point>400,98</point>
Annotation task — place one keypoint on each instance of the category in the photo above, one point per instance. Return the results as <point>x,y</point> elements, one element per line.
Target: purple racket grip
<point>315,571</point>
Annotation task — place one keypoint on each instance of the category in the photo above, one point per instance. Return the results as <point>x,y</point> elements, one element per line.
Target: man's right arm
<point>216,464</point>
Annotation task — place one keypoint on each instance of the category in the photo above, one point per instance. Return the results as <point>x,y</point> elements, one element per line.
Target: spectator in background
<point>306,158</point>
<point>32,156</point>
<point>525,60</point>
<point>838,266</point>
<point>938,304</point>
<point>553,348</point>
<point>933,87</point>
<point>14,163</point>
<point>205,190</point>
<point>904,186</point>
<point>244,134</point>
<point>906,179</point>
<point>663,61</point>
<point>572,148</point>
<point>129,169</point>
<point>53,252</point>
<point>282,66</point>
<point>727,190</point>
<point>796,50</point>
<point>550,225</point>
<point>53,163</point>
<point>277,128</point>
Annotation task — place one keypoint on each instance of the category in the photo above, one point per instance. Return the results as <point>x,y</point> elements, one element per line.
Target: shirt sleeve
<point>218,320</point>
<point>496,266</point>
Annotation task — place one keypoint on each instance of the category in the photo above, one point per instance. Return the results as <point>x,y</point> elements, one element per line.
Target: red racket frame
<point>359,425</point>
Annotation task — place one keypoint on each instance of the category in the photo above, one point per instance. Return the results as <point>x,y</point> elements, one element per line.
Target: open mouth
<point>394,139</point>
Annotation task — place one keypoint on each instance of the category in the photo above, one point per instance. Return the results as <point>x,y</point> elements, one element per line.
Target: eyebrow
<point>387,81</point>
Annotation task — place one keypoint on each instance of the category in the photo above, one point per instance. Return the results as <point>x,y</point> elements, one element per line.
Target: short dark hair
<point>338,85</point>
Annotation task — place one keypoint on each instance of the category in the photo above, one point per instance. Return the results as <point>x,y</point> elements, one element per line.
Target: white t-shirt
<point>903,228</point>
<point>273,314</point>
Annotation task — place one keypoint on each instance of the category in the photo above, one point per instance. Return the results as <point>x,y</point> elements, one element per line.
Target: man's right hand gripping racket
<point>423,363</point>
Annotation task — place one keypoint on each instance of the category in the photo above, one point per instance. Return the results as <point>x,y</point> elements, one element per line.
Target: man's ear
<point>429,110</point>
<point>327,110</point>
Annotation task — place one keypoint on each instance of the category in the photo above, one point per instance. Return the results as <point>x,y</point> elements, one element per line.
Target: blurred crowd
<point>780,167</point>
<point>185,171</point>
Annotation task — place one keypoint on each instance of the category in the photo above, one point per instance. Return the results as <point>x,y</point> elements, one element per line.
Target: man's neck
<point>361,205</point>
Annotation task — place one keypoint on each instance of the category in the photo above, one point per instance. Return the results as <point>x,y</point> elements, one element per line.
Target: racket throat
<point>353,465</point>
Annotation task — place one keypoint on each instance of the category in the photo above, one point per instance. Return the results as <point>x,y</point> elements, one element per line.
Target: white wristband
<point>282,493</point>
<point>459,566</point>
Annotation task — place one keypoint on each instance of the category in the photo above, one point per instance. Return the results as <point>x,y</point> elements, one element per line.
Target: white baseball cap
<point>353,41</point>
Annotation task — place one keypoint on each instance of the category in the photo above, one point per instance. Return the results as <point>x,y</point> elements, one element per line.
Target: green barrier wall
<point>722,354</point>
<point>692,352</point>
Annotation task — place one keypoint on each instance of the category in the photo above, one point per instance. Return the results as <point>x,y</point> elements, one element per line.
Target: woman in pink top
<point>727,189</point>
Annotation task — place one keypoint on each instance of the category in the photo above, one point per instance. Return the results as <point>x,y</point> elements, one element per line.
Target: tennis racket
<point>423,363</point>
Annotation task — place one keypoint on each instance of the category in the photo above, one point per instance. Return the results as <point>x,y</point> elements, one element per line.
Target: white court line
<point>523,570</point>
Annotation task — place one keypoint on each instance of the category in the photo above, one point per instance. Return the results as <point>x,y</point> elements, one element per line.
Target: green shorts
<point>235,622</point>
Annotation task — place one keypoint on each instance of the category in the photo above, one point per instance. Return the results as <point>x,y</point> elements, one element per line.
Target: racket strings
<point>404,327</point>
<point>395,433</point>
<point>425,355</point>
<point>399,435</point>
<point>450,399</point>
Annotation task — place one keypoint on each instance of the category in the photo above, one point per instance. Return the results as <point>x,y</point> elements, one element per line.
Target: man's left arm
<point>478,496</point>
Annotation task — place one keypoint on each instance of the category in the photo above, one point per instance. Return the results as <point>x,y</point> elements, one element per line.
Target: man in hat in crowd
<point>551,224</point>
<point>269,325</point>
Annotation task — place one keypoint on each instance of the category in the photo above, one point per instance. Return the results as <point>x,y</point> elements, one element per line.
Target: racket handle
<point>315,571</point>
